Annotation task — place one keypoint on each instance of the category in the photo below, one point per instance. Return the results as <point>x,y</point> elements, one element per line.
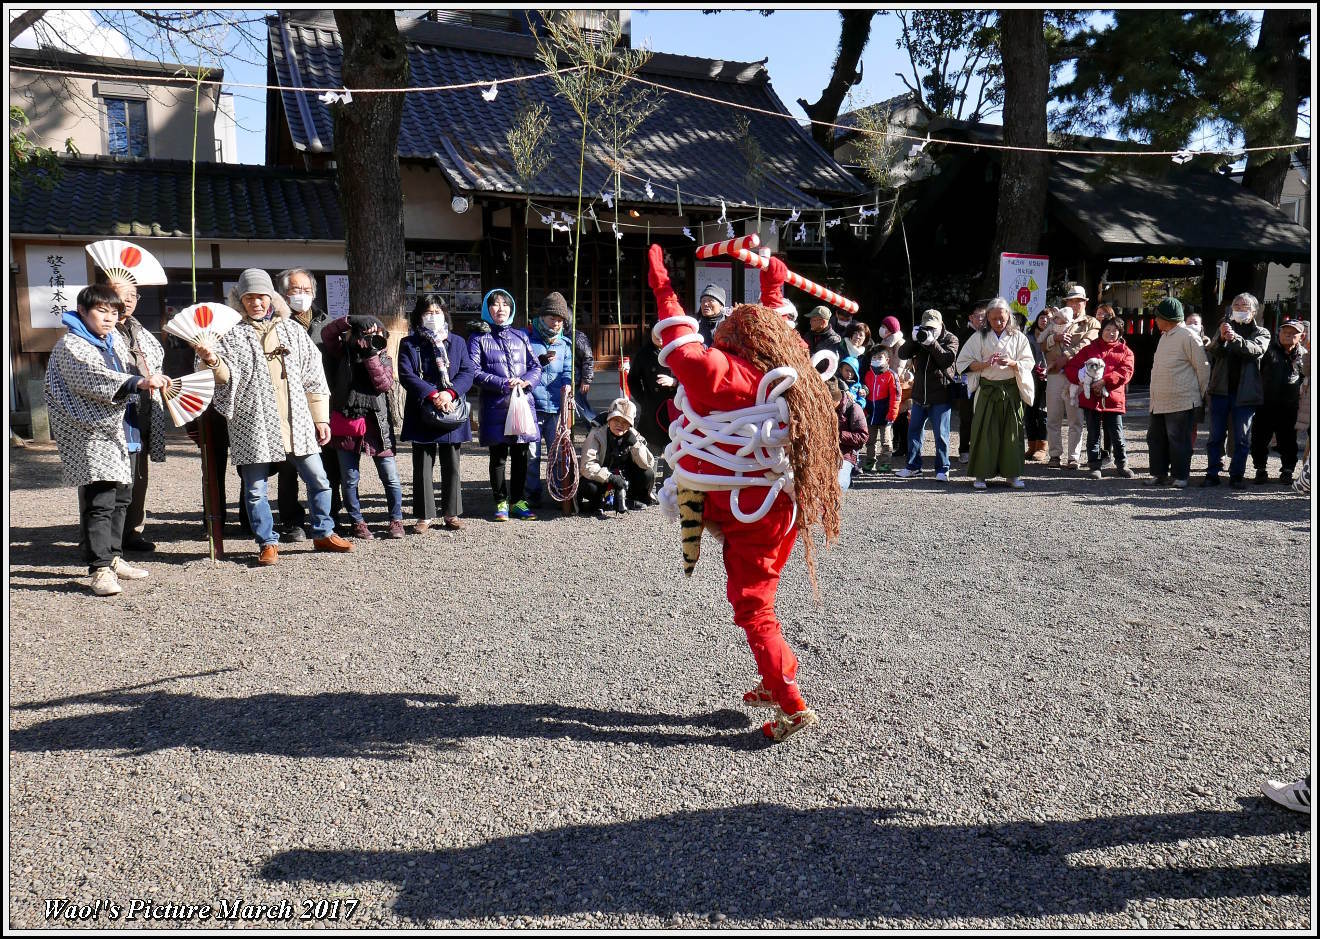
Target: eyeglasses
<point>302,290</point>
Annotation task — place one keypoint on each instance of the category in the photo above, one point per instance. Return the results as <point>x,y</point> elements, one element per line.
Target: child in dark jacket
<point>883,395</point>
<point>852,430</point>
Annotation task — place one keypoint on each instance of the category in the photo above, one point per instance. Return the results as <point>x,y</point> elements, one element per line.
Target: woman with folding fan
<point>127,268</point>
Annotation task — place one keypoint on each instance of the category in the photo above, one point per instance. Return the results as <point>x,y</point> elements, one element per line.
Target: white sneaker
<point>127,571</point>
<point>941,477</point>
<point>105,583</point>
<point>1017,483</point>
<point>979,484</point>
<point>1295,796</point>
<point>904,473</point>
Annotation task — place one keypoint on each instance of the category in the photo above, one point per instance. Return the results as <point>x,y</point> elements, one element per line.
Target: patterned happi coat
<point>247,400</point>
<point>152,351</point>
<point>86,400</point>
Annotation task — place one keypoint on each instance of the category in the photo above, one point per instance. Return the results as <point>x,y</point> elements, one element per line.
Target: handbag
<point>443,422</point>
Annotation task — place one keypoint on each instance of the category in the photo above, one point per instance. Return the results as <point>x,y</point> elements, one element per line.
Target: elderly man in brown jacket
<point>1070,332</point>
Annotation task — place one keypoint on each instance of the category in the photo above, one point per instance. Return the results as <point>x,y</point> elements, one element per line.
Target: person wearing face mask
<point>147,357</point>
<point>933,351</point>
<point>93,399</point>
<point>1235,388</point>
<point>270,386</point>
<point>1281,381</point>
<point>555,354</point>
<point>297,286</point>
<point>842,322</point>
<point>435,372</point>
<point>882,396</point>
<point>1000,362</point>
<point>713,311</point>
<point>890,336</point>
<point>503,361</point>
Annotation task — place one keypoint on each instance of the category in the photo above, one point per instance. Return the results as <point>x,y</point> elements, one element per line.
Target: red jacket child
<point>879,386</point>
<point>1118,372</point>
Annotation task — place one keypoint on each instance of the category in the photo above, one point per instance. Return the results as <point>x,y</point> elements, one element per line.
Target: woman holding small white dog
<point>998,361</point>
<point>1101,371</point>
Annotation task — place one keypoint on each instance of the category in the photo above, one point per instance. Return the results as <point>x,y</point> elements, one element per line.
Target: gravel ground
<point>1045,709</point>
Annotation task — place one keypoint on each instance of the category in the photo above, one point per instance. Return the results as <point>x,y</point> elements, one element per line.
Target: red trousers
<point>754,556</point>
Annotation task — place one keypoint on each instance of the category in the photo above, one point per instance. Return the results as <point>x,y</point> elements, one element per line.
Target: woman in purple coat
<point>503,360</point>
<point>435,372</point>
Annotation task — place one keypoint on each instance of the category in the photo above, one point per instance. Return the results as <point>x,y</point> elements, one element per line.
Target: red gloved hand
<point>666,300</point>
<point>656,274</point>
<point>772,283</point>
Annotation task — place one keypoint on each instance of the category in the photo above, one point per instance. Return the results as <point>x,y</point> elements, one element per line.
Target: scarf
<point>441,352</point>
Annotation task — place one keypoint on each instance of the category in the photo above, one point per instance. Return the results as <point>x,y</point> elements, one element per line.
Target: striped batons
<point>691,508</point>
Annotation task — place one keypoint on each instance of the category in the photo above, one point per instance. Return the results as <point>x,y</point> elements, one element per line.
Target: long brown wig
<point>762,337</point>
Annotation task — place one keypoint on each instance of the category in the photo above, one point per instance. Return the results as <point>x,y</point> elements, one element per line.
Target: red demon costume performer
<point>755,458</point>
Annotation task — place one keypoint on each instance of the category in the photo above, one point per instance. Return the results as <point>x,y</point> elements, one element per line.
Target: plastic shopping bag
<point>521,421</point>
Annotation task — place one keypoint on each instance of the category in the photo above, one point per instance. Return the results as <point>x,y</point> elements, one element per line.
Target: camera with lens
<point>924,335</point>
<point>364,343</point>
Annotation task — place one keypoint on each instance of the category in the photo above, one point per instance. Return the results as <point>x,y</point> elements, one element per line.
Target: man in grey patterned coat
<point>271,388</point>
<point>93,401</point>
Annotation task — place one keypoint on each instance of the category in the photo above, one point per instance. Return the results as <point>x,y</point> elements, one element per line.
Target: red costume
<point>714,380</point>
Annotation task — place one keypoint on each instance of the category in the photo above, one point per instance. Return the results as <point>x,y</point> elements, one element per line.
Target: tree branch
<point>23,22</point>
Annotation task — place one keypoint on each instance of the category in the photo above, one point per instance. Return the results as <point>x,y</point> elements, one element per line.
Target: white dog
<point>1091,376</point>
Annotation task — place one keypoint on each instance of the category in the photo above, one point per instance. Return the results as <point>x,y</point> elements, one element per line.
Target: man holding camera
<point>1235,388</point>
<point>932,352</point>
<point>270,386</point>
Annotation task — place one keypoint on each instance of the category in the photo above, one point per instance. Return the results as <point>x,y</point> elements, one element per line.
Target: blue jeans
<point>938,415</point>
<point>549,422</point>
<point>349,461</point>
<point>1222,409</point>
<point>312,472</point>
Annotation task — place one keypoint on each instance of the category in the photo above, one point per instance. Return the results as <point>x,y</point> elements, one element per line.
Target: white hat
<point>622,407</point>
<point>1075,292</point>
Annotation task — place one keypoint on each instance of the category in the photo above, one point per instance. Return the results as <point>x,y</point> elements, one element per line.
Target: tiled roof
<point>151,198</point>
<point>688,142</point>
<point>1188,209</point>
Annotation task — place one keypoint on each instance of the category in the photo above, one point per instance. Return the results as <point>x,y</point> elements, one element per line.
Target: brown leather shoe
<point>331,542</point>
<point>454,523</point>
<point>420,528</point>
<point>269,555</point>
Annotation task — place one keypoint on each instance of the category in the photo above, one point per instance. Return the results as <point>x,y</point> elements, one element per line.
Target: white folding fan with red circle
<point>187,397</point>
<point>203,323</point>
<point>123,260</point>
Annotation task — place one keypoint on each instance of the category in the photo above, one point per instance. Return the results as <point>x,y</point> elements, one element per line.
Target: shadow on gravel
<point>808,863</point>
<point>347,724</point>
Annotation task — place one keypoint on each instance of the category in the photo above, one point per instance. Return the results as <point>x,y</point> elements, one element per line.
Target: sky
<point>799,46</point>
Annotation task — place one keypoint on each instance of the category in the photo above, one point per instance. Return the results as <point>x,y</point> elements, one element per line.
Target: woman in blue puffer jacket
<point>435,372</point>
<point>503,360</point>
<point>554,352</point>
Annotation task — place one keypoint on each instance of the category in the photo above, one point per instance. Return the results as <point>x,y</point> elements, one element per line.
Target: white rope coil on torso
<point>759,433</point>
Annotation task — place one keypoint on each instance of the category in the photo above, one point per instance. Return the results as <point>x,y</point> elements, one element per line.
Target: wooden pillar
<point>518,227</point>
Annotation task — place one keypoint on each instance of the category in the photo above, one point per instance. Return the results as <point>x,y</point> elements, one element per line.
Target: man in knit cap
<point>270,386</point>
<point>1179,377</point>
<point>712,304</point>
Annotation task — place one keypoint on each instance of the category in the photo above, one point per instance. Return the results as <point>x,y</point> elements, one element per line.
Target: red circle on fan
<point>130,256</point>
<point>202,316</point>
<point>1024,296</point>
<point>191,402</point>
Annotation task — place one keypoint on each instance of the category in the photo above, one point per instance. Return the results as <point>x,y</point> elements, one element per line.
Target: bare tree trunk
<point>1281,66</point>
<point>366,150</point>
<point>854,33</point>
<point>23,22</point>
<point>1020,217</point>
